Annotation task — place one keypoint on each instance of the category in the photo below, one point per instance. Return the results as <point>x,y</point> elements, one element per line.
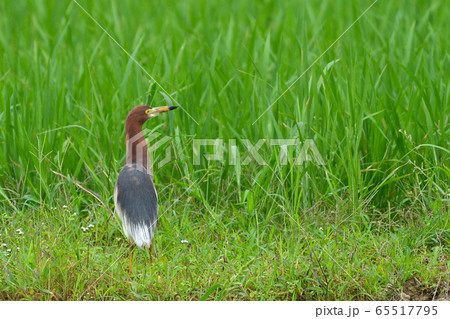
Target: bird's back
<point>136,204</point>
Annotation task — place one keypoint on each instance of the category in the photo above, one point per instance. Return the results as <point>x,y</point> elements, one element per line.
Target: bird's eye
<point>148,111</point>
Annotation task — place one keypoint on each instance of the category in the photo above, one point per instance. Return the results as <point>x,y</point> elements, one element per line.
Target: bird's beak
<point>158,110</point>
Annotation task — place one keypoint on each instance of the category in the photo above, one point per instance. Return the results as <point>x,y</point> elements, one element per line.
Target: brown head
<point>136,146</point>
<point>140,114</point>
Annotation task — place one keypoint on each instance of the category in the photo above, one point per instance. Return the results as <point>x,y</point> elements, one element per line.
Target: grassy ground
<point>372,223</point>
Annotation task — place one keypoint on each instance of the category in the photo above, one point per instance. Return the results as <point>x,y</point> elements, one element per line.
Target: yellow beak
<point>158,110</point>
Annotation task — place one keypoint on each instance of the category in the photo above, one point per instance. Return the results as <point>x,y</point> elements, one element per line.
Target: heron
<point>135,197</point>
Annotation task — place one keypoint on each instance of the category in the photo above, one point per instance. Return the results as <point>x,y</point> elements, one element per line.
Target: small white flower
<point>18,230</point>
<point>84,228</point>
<point>18,248</point>
<point>75,214</point>
<point>185,241</point>
<point>64,206</point>
<point>91,226</point>
<point>8,250</point>
<point>4,245</point>
<point>320,228</point>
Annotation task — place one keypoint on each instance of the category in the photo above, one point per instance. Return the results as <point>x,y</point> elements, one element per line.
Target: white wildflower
<point>91,226</point>
<point>8,250</point>
<point>185,241</point>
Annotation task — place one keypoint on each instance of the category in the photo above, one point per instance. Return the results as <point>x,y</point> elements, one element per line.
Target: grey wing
<point>136,204</point>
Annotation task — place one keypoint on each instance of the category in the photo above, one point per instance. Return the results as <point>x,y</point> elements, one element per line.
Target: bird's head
<point>140,114</point>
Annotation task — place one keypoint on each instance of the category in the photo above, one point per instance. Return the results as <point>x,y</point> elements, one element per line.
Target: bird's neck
<point>137,151</point>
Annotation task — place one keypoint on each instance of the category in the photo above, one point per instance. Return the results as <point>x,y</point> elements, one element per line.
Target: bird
<point>135,196</point>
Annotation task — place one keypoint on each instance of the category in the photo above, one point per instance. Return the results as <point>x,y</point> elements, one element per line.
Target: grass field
<point>370,222</point>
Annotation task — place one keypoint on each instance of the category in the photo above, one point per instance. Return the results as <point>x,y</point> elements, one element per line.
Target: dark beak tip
<point>173,107</point>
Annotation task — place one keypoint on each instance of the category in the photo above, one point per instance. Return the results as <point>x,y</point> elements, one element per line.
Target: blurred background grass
<point>375,105</point>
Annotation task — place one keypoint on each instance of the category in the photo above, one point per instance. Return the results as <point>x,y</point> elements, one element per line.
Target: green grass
<point>368,224</point>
